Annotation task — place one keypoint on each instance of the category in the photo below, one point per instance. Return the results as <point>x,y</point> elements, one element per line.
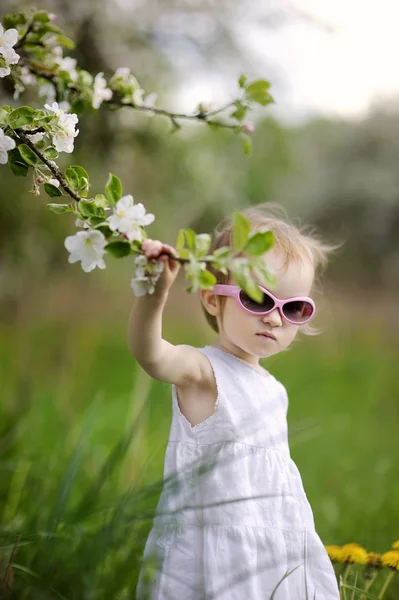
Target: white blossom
<point>139,99</point>
<point>4,71</point>
<point>87,247</point>
<point>47,91</point>
<point>100,91</point>
<point>81,223</point>
<point>68,64</point>
<point>54,182</point>
<point>124,82</point>
<point>193,270</point>
<point>129,218</point>
<point>8,39</point>
<point>36,137</point>
<point>149,101</point>
<point>146,275</point>
<point>62,128</point>
<point>25,78</point>
<point>6,144</point>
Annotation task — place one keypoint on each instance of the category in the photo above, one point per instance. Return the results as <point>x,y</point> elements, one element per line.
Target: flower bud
<point>249,128</point>
<point>40,179</point>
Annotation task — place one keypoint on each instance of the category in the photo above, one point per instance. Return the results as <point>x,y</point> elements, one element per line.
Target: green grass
<point>83,431</point>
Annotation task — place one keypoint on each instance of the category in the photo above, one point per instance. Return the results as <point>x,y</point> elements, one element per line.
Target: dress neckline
<point>262,373</point>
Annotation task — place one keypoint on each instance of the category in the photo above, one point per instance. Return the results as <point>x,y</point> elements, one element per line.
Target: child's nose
<point>273,318</point>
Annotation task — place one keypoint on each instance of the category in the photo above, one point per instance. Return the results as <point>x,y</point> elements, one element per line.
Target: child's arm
<point>182,365</point>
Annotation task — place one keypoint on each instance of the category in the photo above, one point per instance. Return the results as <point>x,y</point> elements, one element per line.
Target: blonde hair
<point>295,242</point>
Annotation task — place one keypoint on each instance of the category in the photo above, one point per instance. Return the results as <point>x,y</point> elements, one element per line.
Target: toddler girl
<point>233,521</point>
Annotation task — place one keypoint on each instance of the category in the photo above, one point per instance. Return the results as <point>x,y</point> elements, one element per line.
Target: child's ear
<point>210,302</point>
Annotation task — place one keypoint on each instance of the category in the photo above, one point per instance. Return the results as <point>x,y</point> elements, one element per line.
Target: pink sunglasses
<point>297,311</point>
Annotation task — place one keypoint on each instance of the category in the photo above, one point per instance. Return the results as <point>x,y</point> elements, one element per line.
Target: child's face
<point>239,330</point>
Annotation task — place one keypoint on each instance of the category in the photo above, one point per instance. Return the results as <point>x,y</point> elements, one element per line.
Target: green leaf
<point>222,252</point>
<point>206,280</point>
<point>241,231</point>
<point>52,190</point>
<point>202,244</point>
<point>3,117</point>
<point>50,153</point>
<point>65,41</point>
<point>184,253</point>
<point>258,91</point>
<point>258,85</point>
<point>72,178</point>
<point>246,144</point>
<point>180,240</point>
<point>118,249</point>
<point>263,274</point>
<point>25,570</point>
<point>259,243</point>
<point>51,28</point>
<point>220,259</point>
<point>105,230</point>
<point>79,106</point>
<point>12,20</point>
<point>113,188</point>
<point>40,145</point>
<point>87,208</point>
<point>78,179</point>
<point>42,16</point>
<point>95,221</point>
<point>18,167</point>
<point>27,154</point>
<point>190,236</point>
<point>242,80</point>
<point>135,245</point>
<point>24,115</point>
<point>60,208</point>
<point>252,289</point>
<point>101,201</point>
<point>240,112</point>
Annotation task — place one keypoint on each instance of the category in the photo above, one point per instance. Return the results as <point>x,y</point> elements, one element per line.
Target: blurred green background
<point>76,482</point>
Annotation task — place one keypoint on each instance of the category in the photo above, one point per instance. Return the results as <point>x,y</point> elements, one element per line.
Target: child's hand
<point>155,249</point>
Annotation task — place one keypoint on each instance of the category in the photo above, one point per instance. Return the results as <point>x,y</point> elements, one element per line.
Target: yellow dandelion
<point>353,553</point>
<point>373,559</point>
<point>391,559</point>
<point>395,545</point>
<point>334,552</point>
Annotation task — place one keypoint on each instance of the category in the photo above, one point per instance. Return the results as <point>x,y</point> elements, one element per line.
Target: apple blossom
<point>62,128</point>
<point>147,101</point>
<point>6,144</point>
<point>146,275</point>
<point>68,65</point>
<point>54,182</point>
<point>100,91</point>
<point>47,90</point>
<point>129,218</point>
<point>87,247</point>
<point>81,223</point>
<point>8,39</point>
<point>193,269</point>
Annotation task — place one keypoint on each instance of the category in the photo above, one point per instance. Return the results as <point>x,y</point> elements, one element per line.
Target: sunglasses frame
<point>234,291</point>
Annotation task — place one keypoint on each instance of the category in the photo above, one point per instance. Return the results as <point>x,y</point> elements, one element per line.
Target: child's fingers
<point>155,249</point>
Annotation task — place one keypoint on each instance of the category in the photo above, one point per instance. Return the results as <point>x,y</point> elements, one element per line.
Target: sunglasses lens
<point>298,311</point>
<point>247,302</point>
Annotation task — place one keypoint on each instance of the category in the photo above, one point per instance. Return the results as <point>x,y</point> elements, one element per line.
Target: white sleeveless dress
<point>233,517</point>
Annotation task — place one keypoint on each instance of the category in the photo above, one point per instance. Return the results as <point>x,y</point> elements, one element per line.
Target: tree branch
<point>201,116</point>
<point>50,164</point>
